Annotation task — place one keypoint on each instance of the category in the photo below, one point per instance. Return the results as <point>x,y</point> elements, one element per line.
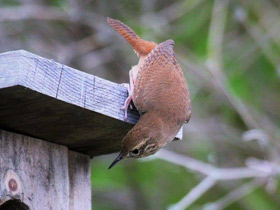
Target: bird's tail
<point>142,47</point>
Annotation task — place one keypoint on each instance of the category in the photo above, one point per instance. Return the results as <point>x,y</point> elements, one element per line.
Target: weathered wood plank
<point>42,174</point>
<point>51,101</point>
<point>79,179</point>
<point>40,167</point>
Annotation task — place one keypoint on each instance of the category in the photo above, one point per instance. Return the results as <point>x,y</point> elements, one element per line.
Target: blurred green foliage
<point>247,75</point>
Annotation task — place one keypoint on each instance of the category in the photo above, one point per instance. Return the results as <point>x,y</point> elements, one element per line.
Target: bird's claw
<point>126,85</point>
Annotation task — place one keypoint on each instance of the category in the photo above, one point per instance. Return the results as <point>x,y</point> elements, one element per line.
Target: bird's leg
<point>127,100</point>
<point>129,88</point>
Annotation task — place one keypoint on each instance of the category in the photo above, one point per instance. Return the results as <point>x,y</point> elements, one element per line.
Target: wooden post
<point>53,119</point>
<point>43,175</point>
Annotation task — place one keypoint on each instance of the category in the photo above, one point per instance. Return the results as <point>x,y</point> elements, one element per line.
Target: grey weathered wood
<point>54,102</point>
<point>79,179</point>
<point>46,176</point>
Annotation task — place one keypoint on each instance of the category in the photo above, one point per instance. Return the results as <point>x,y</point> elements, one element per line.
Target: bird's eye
<point>135,151</point>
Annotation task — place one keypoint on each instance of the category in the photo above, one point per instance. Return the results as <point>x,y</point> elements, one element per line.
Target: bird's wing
<point>160,84</point>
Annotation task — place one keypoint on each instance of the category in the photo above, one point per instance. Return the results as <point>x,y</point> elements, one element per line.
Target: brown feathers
<point>160,93</point>
<point>141,46</point>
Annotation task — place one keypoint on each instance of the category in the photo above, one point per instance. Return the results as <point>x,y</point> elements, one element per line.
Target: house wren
<point>158,90</point>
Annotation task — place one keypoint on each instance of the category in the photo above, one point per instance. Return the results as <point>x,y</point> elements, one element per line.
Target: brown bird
<point>159,92</point>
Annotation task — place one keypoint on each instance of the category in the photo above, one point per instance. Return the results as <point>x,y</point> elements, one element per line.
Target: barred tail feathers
<point>141,46</point>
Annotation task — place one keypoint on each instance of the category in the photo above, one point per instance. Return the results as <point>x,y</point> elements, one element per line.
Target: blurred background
<point>229,51</point>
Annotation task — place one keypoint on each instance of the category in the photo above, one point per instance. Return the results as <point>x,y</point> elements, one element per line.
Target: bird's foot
<point>126,85</point>
<point>127,103</point>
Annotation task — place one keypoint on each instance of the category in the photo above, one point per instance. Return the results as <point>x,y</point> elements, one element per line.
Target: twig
<point>214,64</point>
<point>209,170</point>
<point>263,41</point>
<point>268,18</point>
<point>235,195</point>
<point>214,174</point>
<point>194,194</point>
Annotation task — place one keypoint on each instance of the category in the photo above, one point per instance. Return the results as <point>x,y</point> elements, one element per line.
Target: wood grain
<point>46,176</point>
<point>56,103</point>
<point>79,181</point>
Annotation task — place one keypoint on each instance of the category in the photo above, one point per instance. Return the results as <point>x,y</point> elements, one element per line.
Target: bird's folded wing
<point>159,80</point>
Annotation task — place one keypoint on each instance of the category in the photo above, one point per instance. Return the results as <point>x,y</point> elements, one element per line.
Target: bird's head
<point>137,149</point>
<point>140,142</point>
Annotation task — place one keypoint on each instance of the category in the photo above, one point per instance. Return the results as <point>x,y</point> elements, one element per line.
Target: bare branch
<point>194,194</point>
<point>263,41</point>
<point>209,170</point>
<point>235,195</point>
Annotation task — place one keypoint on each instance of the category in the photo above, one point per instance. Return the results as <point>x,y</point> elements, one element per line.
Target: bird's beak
<point>120,156</point>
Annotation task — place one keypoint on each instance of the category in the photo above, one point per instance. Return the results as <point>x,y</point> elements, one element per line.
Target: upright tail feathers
<point>141,46</point>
